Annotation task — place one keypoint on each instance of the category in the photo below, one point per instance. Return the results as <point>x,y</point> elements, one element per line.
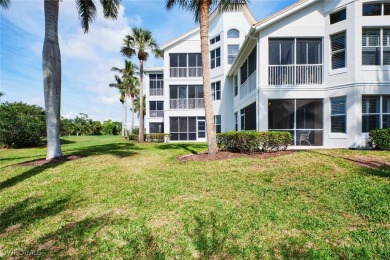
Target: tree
<point>51,61</point>
<point>123,99</point>
<point>1,94</point>
<point>137,105</point>
<point>139,42</point>
<point>201,9</point>
<point>129,82</point>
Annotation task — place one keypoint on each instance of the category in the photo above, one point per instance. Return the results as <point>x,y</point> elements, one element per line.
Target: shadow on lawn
<point>371,167</point>
<point>188,147</point>
<point>120,150</point>
<point>25,212</point>
<point>99,236</point>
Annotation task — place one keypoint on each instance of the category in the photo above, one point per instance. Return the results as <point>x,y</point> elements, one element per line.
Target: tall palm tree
<point>51,61</point>
<point>139,42</point>
<point>122,91</point>
<point>201,10</point>
<point>130,83</point>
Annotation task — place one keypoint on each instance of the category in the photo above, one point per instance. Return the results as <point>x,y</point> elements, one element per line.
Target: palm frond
<point>231,5</point>
<point>5,3</point>
<point>87,12</point>
<point>110,8</point>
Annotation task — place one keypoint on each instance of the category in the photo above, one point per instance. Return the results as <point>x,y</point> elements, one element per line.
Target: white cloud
<point>136,21</point>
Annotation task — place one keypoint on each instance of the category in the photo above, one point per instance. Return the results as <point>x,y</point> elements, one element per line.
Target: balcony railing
<point>185,72</point>
<point>156,113</point>
<point>156,92</point>
<point>190,103</point>
<point>248,86</point>
<point>295,74</point>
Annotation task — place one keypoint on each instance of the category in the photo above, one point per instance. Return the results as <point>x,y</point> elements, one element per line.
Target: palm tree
<point>201,9</point>
<point>51,61</point>
<point>139,42</point>
<point>122,91</point>
<point>130,83</point>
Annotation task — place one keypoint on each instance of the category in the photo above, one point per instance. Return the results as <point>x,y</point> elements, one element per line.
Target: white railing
<point>156,113</point>
<point>190,103</point>
<point>248,86</point>
<point>295,74</point>
<point>156,92</point>
<point>185,72</point>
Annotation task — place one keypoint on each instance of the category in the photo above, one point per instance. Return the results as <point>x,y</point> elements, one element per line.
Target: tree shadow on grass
<point>192,148</point>
<point>25,212</point>
<point>98,237</point>
<point>120,150</point>
<point>370,167</point>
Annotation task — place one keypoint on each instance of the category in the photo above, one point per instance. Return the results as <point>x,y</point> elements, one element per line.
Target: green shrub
<point>252,141</point>
<point>21,125</point>
<point>156,137</point>
<point>379,139</point>
<point>133,137</point>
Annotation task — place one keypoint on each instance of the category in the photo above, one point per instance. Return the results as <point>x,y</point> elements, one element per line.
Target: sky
<point>86,58</point>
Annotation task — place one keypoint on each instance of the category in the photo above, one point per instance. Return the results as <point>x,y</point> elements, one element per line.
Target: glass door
<point>201,129</point>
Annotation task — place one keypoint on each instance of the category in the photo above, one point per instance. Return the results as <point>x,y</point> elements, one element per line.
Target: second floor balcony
<point>190,72</point>
<point>308,74</point>
<point>156,92</point>
<point>156,113</point>
<point>186,103</point>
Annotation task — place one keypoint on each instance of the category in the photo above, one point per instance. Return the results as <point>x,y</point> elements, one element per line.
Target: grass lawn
<point>128,200</point>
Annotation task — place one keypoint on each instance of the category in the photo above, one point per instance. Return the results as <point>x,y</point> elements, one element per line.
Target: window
<point>232,53</point>
<point>338,47</point>
<point>156,85</point>
<point>215,39</point>
<point>374,9</point>
<point>156,128</point>
<point>186,97</point>
<point>281,52</point>
<point>375,112</point>
<point>215,58</point>
<point>235,82</point>
<point>338,115</point>
<point>248,117</point>
<point>248,82</point>
<point>236,121</point>
<point>182,128</point>
<point>185,65</point>
<point>233,33</point>
<point>376,51</point>
<point>156,108</point>
<point>386,8</point>
<point>216,90</point>
<point>303,118</point>
<point>338,16</point>
<point>217,123</point>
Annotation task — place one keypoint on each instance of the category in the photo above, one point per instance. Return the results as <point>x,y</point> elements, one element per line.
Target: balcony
<point>190,103</point>
<point>156,92</point>
<point>156,113</point>
<point>248,86</point>
<point>184,72</point>
<point>295,74</point>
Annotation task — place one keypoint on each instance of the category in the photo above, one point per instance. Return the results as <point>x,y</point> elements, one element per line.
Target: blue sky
<point>86,58</point>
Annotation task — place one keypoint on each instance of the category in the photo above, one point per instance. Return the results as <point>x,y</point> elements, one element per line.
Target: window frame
<point>215,39</point>
<point>155,112</point>
<point>233,30</point>
<point>216,90</point>
<point>383,47</point>
<point>217,123</point>
<point>187,67</point>
<point>381,113</point>
<point>215,61</point>
<point>339,115</point>
<point>234,55</point>
<point>335,52</point>
<point>343,13</point>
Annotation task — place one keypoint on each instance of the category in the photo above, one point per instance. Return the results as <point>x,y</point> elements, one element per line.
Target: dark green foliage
<point>156,137</point>
<point>252,141</point>
<point>133,137</point>
<point>21,125</point>
<point>82,125</point>
<point>379,139</point>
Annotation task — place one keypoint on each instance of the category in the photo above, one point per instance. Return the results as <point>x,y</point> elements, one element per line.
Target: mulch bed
<point>228,155</point>
<point>40,162</point>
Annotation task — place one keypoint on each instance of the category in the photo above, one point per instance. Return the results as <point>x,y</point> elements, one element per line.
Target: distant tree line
<point>23,125</point>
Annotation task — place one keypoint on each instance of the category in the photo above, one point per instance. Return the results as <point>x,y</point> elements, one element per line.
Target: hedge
<point>252,141</point>
<point>379,139</point>
<point>156,137</point>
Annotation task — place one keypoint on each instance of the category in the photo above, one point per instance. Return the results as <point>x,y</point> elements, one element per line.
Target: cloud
<point>136,21</point>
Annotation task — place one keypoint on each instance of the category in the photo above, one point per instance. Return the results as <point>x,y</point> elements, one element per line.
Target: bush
<point>252,141</point>
<point>21,125</point>
<point>379,139</point>
<point>156,137</point>
<point>133,137</point>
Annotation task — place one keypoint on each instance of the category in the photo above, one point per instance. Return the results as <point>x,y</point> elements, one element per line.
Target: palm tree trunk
<point>51,57</point>
<point>208,105</point>
<point>141,103</point>
<point>123,118</point>
<point>132,114</point>
<point>126,101</point>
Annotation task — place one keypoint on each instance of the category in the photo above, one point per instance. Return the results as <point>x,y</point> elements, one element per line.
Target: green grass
<point>128,200</point>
